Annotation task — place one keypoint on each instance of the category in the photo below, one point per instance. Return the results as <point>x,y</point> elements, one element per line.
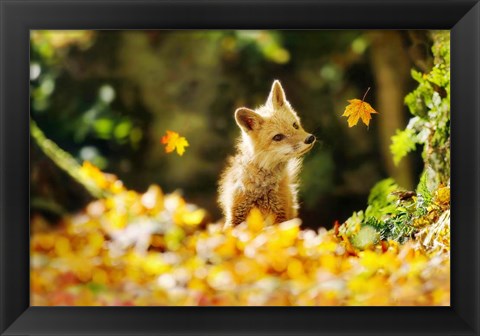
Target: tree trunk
<point>391,67</point>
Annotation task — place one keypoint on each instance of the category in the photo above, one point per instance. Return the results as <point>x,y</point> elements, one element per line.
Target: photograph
<point>240,168</point>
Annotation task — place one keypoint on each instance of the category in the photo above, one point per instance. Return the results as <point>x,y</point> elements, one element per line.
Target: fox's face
<point>274,132</point>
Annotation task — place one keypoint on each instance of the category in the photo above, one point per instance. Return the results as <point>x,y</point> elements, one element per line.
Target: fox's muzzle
<point>310,139</point>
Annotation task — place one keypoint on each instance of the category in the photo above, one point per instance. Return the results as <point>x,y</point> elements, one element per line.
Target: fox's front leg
<point>239,210</point>
<point>281,216</point>
<point>288,198</point>
<point>272,203</point>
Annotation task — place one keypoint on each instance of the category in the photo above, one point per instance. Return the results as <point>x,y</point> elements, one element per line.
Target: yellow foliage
<point>107,182</point>
<point>156,249</point>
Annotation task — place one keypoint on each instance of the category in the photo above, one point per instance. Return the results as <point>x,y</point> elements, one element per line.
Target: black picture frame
<point>18,17</point>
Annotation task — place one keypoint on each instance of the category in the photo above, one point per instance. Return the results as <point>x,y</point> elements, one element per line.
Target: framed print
<point>239,168</point>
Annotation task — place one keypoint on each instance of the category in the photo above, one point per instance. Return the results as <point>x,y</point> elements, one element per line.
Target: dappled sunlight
<point>130,133</point>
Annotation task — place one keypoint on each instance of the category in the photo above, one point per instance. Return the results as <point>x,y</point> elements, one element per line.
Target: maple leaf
<point>358,109</point>
<point>173,141</point>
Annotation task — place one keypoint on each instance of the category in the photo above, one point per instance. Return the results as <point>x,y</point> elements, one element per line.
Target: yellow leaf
<point>172,140</point>
<point>107,182</point>
<point>193,218</point>
<point>181,144</point>
<point>358,109</point>
<point>94,174</point>
<point>255,220</point>
<point>443,195</point>
<point>294,268</point>
<point>99,276</point>
<point>288,232</point>
<point>62,247</point>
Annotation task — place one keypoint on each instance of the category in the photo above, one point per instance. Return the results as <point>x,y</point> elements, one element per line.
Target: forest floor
<point>156,249</point>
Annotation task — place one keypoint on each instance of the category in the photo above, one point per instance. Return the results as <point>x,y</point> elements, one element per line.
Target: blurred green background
<point>109,96</point>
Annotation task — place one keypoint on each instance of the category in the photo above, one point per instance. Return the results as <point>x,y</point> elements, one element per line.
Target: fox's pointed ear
<point>277,96</point>
<point>247,119</point>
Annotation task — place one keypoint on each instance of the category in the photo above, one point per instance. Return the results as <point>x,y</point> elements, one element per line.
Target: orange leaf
<point>173,141</point>
<point>358,109</point>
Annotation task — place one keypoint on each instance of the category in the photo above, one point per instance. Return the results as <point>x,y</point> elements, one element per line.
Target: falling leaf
<point>173,141</point>
<point>358,109</point>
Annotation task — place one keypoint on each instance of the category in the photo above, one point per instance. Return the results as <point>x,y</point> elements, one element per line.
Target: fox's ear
<point>247,119</point>
<point>277,96</point>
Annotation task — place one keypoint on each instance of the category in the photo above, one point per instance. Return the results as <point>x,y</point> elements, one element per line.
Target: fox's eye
<point>279,137</point>
<point>295,125</point>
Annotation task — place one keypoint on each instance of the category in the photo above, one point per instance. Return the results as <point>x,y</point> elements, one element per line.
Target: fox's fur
<point>264,171</point>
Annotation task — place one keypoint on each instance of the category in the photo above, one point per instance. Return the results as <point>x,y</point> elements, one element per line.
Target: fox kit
<point>264,171</point>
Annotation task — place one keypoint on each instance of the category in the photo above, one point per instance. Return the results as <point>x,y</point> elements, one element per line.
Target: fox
<point>263,172</point>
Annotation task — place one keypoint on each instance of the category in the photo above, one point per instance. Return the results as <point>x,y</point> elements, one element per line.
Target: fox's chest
<point>272,198</point>
<point>266,200</point>
<point>264,191</point>
<point>259,184</point>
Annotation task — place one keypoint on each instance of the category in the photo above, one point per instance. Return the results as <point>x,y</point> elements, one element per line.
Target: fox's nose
<point>310,139</point>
